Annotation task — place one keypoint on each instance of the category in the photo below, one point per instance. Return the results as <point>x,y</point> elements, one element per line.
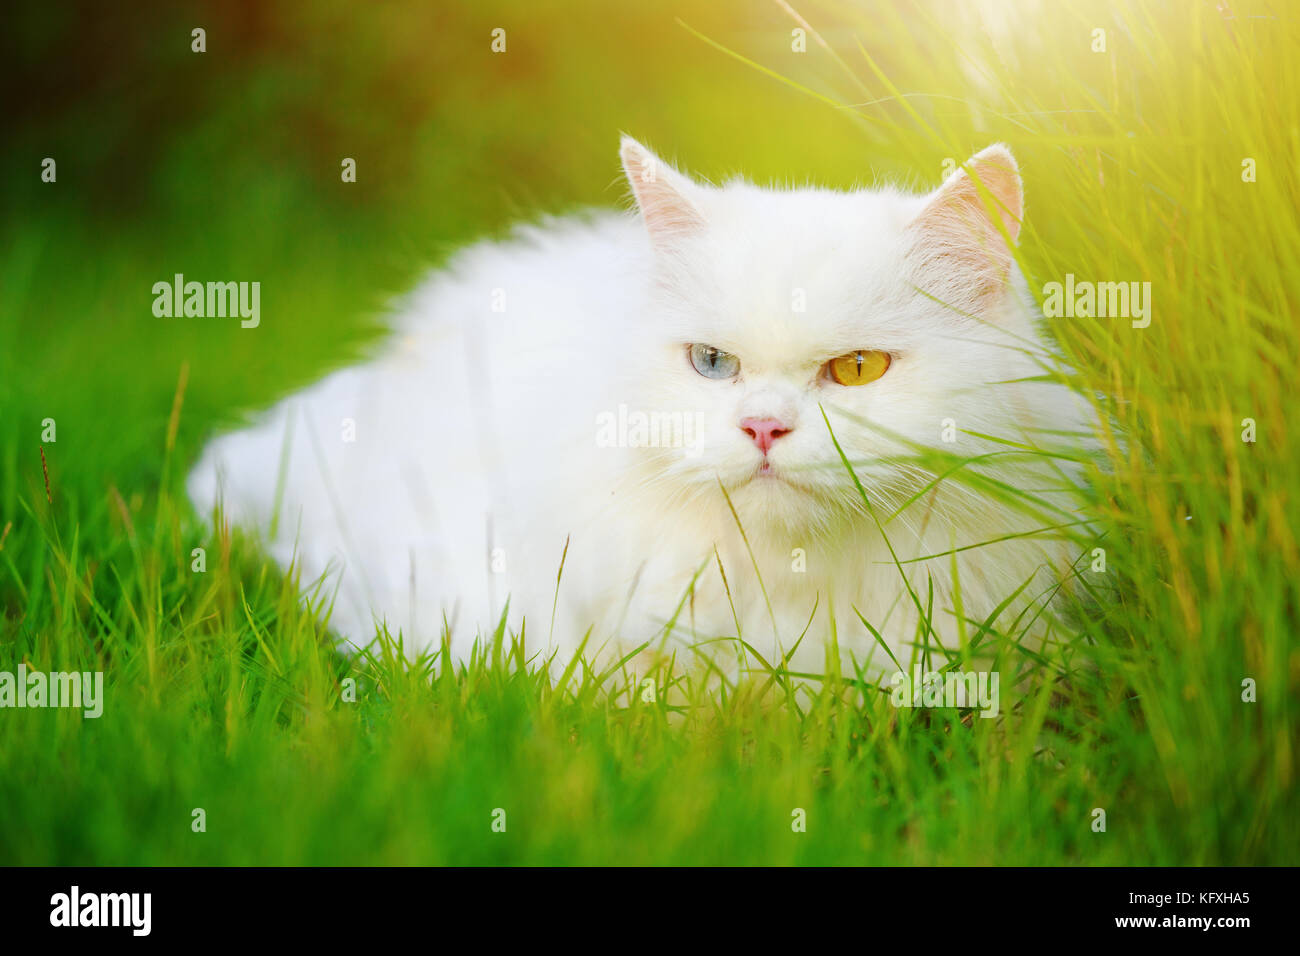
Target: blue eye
<point>714,363</point>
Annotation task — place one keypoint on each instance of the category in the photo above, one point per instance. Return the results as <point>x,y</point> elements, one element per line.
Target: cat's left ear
<point>668,201</point>
<point>970,218</point>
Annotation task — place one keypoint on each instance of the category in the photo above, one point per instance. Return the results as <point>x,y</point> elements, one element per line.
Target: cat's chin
<point>775,497</point>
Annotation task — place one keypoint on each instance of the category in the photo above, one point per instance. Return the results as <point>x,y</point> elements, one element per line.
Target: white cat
<point>602,380</point>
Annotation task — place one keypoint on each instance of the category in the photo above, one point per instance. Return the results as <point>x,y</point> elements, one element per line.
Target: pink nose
<point>764,431</point>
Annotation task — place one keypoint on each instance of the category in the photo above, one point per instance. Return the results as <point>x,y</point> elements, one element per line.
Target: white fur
<point>475,435</point>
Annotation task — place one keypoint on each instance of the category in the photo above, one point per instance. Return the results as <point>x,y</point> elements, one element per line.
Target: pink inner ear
<point>960,204</point>
<point>955,234</point>
<point>660,194</point>
<point>999,176</point>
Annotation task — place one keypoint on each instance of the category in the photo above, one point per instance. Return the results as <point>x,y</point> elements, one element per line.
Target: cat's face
<point>779,317</point>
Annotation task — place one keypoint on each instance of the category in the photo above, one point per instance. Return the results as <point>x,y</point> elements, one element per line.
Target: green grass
<point>224,692</point>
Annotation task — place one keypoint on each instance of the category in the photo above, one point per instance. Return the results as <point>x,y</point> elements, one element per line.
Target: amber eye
<point>858,368</point>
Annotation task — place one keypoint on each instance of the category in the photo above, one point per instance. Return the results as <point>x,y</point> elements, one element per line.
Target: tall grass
<point>223,689</point>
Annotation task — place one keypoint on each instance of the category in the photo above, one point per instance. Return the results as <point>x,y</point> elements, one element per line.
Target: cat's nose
<point>764,431</point>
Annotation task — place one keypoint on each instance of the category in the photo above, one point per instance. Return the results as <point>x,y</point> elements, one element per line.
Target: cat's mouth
<point>767,473</point>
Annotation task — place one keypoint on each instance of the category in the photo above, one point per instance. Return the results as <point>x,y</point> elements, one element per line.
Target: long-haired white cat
<point>643,387</point>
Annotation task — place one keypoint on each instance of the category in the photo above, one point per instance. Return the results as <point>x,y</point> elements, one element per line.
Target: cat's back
<point>544,280</point>
<point>499,333</point>
<point>391,472</point>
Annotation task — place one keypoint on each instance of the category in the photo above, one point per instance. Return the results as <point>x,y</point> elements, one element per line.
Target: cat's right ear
<point>665,198</point>
<point>963,230</point>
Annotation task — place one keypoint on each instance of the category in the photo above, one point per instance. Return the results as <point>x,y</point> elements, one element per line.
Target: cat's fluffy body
<point>446,473</point>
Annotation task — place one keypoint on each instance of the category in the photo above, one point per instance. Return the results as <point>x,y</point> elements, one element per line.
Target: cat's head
<point>892,314</point>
